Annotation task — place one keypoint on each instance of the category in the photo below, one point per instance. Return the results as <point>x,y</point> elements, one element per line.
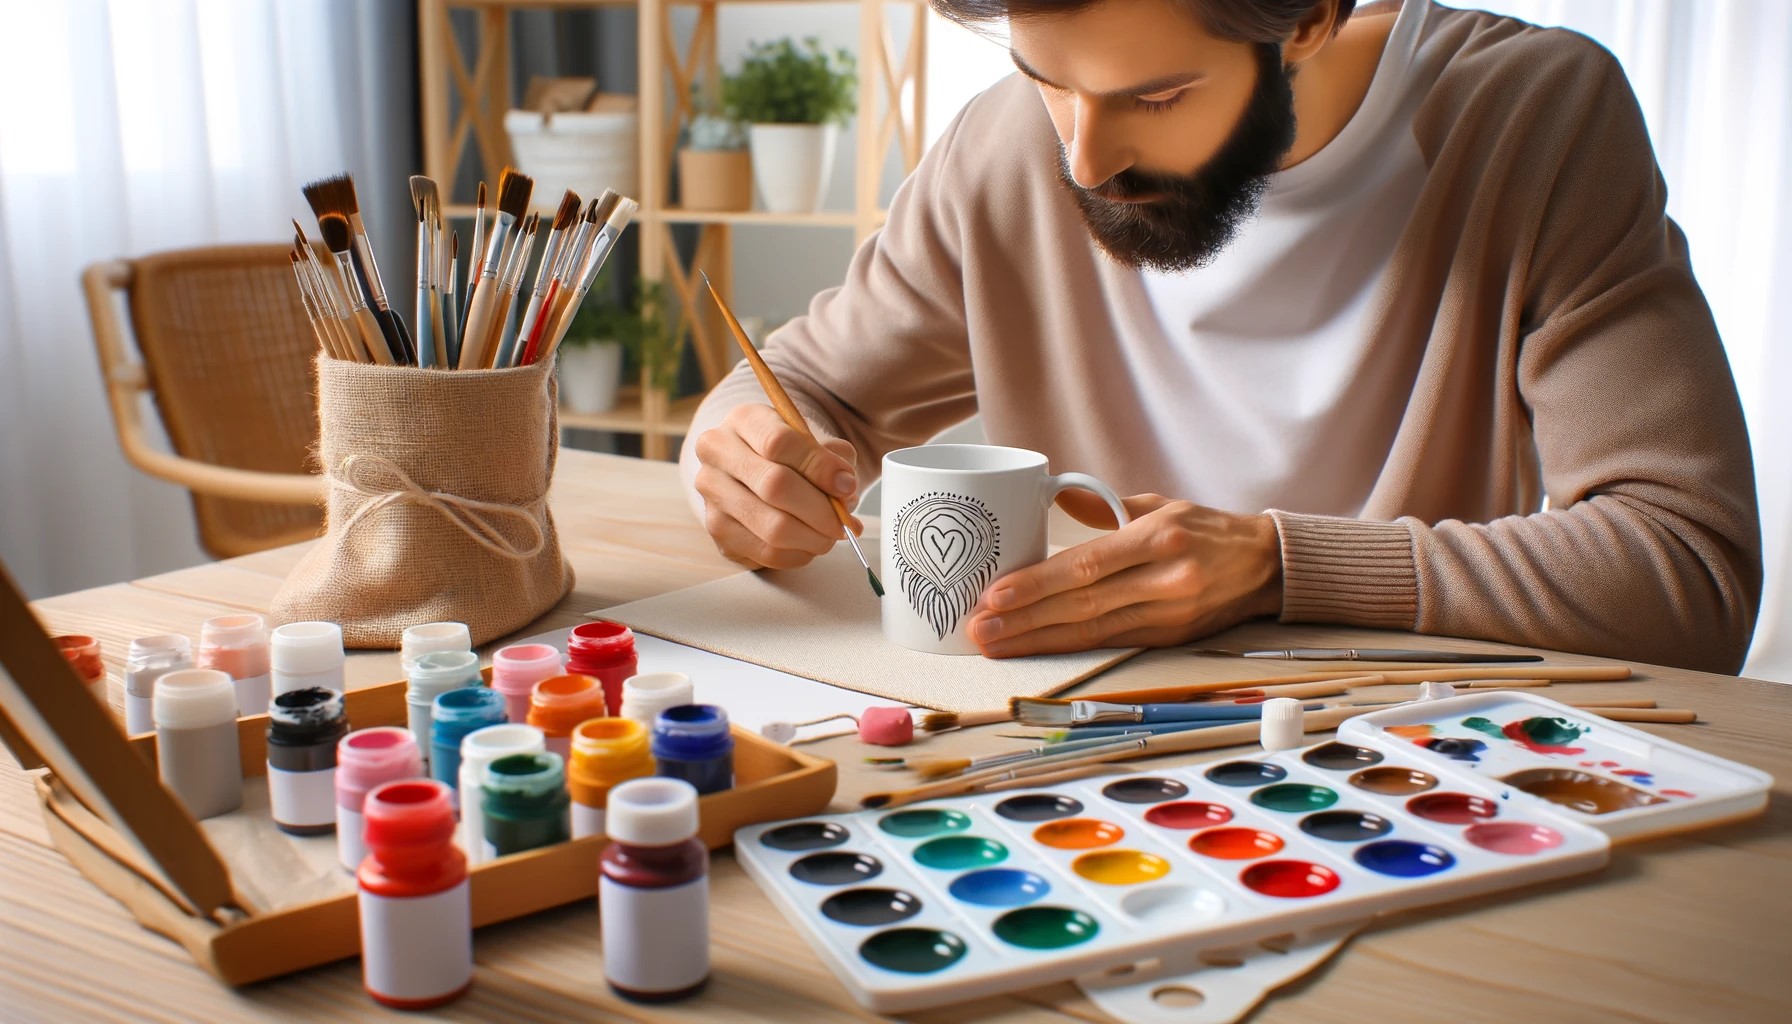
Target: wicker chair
<point>227,358</point>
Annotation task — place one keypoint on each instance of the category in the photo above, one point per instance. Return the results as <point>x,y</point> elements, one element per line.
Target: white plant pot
<point>792,164</point>
<point>590,375</point>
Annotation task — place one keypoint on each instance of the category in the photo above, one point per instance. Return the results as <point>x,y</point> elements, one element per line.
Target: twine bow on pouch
<point>475,518</point>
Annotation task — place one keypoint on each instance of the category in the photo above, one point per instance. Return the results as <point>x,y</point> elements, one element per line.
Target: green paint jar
<point>525,802</point>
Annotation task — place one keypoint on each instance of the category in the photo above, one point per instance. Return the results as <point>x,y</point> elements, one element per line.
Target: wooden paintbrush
<point>787,409</point>
<point>480,334</point>
<point>336,194</point>
<point>339,241</point>
<point>451,304</point>
<point>329,303</point>
<point>566,219</point>
<point>603,241</point>
<point>423,192</point>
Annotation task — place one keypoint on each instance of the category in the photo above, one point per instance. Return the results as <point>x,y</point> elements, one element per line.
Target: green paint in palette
<point>1294,797</point>
<point>1045,927</point>
<point>913,950</point>
<point>955,853</point>
<point>926,822</point>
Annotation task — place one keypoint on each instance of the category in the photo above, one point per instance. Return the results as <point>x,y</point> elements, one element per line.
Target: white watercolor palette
<point>957,899</point>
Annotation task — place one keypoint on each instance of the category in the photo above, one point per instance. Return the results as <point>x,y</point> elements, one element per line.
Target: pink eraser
<point>886,727</point>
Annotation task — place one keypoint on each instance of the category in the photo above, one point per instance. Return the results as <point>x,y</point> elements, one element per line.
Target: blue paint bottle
<point>452,716</point>
<point>692,742</point>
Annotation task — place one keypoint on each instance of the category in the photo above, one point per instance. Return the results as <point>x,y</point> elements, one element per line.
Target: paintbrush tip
<point>936,770</point>
<point>514,188</point>
<point>876,800</point>
<point>335,231</point>
<point>880,761</point>
<point>1041,711</point>
<point>568,212</point>
<point>877,585</point>
<point>939,721</point>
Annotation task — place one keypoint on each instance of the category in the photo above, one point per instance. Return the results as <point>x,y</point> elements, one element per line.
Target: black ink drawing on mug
<point>946,551</point>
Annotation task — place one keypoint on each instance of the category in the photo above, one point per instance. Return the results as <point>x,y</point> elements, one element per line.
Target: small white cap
<point>434,636</point>
<point>302,648</point>
<point>193,698</point>
<point>652,812</point>
<point>438,672</point>
<point>1435,691</point>
<point>233,631</point>
<point>1282,725</point>
<point>644,696</point>
<point>778,732</point>
<point>483,746</point>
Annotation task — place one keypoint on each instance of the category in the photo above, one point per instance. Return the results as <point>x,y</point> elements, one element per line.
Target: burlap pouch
<point>437,505</point>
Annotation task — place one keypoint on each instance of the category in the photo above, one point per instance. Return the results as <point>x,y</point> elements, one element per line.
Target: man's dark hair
<point>1241,21</point>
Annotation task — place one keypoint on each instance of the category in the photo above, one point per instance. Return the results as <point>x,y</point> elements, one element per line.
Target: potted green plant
<point>714,170</point>
<point>591,357</point>
<point>794,98</point>
<point>649,335</point>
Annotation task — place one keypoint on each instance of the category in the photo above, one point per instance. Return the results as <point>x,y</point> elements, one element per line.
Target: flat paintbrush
<point>337,195</point>
<point>1054,712</point>
<point>422,194</point>
<point>340,242</point>
<point>787,409</point>
<point>1371,654</point>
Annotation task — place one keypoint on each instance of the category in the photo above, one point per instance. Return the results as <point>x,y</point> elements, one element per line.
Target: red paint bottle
<point>416,914</point>
<point>606,651</point>
<point>653,892</point>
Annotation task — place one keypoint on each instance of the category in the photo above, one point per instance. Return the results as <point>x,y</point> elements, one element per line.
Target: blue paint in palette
<point>1403,858</point>
<point>999,887</point>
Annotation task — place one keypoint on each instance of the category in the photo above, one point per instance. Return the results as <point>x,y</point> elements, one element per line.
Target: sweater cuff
<point>1347,571</point>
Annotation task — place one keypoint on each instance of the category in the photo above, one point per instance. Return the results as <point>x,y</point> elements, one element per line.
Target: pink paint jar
<point>516,670</point>
<point>606,652</point>
<point>367,758</point>
<point>237,645</point>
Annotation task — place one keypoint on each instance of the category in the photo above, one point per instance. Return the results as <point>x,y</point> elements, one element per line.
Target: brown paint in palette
<point>1388,780</point>
<point>1577,790</point>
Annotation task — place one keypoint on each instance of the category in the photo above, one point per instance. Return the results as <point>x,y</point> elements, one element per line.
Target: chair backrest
<point>227,352</point>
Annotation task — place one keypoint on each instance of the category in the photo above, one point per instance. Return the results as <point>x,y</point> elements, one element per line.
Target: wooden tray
<point>109,814</point>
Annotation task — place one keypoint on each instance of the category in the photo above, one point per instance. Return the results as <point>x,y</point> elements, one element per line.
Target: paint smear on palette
<point>1636,775</point>
<point>1677,792</point>
<point>1539,734</point>
<point>1459,748</point>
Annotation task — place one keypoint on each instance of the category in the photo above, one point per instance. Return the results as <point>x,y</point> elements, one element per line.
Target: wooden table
<point>1696,928</point>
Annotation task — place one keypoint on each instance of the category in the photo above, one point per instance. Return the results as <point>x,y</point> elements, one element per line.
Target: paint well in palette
<point>1147,789</point>
<point>924,822</point>
<point>1176,904</point>
<point>1517,838</point>
<point>1402,858</point>
<point>1452,808</point>
<point>1588,794</point>
<point>1236,843</point>
<point>840,868</point>
<point>1121,867</point>
<point>956,853</point>
<point>805,835</point>
<point>1388,780</point>
<point>1342,757</point>
<point>1188,814</point>
<point>1045,927</point>
<point>999,887</point>
<point>1289,879</point>
<point>913,950</point>
<point>1246,773</point>
<point>1295,797</point>
<point>1078,834</point>
<point>871,907</point>
<point>1345,826</point>
<point>1039,807</point>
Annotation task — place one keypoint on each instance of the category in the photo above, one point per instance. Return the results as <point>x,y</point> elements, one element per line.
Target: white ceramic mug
<point>957,518</point>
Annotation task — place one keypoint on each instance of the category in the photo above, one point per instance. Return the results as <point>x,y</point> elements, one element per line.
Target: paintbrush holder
<point>436,508</point>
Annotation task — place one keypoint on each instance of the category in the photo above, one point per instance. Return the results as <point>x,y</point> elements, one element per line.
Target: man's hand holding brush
<point>766,489</point>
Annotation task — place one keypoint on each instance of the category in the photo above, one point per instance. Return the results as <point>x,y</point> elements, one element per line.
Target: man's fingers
<point>740,544</point>
<point>767,434</point>
<point>1125,588</point>
<point>774,484</point>
<point>1071,569</point>
<point>780,530</point>
<point>1075,636</point>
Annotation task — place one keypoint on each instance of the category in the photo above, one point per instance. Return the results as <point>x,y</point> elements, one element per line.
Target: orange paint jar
<point>606,752</point>
<point>559,703</point>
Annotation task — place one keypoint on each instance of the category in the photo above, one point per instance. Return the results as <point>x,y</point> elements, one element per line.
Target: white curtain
<point>134,126</point>
<point>1714,78</point>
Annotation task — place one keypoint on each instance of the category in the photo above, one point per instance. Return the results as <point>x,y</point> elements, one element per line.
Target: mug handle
<point>1056,485</point>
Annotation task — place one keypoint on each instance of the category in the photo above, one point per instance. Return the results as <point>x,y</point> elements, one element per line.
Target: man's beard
<point>1197,214</point>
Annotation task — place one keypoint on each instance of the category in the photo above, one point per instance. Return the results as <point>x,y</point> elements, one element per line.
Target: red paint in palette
<point>1188,814</point>
<point>1289,879</point>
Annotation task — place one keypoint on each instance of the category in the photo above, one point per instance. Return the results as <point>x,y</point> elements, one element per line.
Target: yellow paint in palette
<point>1121,867</point>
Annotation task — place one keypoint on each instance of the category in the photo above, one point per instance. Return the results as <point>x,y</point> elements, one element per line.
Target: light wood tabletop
<point>1695,927</point>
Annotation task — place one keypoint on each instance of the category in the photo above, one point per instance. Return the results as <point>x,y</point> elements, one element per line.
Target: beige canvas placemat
<point>821,622</point>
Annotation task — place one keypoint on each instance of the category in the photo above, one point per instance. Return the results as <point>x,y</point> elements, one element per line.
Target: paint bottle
<point>427,678</point>
<point>238,646</point>
<point>524,800</point>
<point>197,754</point>
<point>456,714</point>
<point>558,704</point>
<point>365,760</point>
<point>605,753</point>
<point>416,641</point>
<point>307,654</point>
<point>415,906</point>
<point>646,695</point>
<point>150,658</point>
<point>83,654</point>
<point>515,671</point>
<point>692,742</point>
<point>606,652</point>
<point>304,727</point>
<point>479,749</point>
<point>653,892</point>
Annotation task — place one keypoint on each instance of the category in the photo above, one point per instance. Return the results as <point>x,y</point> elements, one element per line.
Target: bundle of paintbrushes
<point>485,323</point>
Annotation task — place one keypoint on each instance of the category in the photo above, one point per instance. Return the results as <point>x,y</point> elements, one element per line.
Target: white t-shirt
<point>1268,366</point>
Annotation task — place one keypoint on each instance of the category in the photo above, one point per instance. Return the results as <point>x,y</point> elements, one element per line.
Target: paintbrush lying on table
<point>1370,654</point>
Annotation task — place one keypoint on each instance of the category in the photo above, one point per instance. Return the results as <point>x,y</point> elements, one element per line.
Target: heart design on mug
<point>946,547</point>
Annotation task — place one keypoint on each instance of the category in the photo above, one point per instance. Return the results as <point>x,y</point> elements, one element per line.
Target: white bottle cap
<point>644,696</point>
<point>1282,725</point>
<point>652,812</point>
<point>483,746</point>
<point>233,631</point>
<point>434,636</point>
<point>438,672</point>
<point>193,698</point>
<point>302,648</point>
<point>1435,691</point>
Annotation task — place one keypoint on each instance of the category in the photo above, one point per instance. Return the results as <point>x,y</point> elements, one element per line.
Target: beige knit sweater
<point>1561,350</point>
